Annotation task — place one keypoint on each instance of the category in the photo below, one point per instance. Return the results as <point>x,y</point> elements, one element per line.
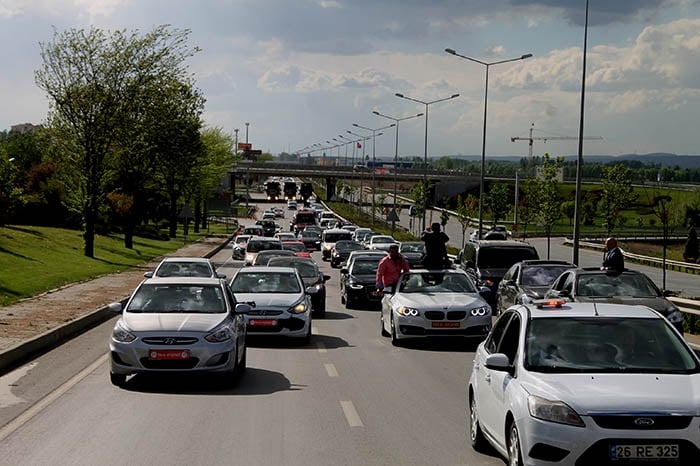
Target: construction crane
<point>531,139</point>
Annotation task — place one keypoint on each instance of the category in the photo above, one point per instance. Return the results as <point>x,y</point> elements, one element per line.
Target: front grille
<point>263,312</point>
<point>170,341</point>
<point>434,315</point>
<point>463,332</point>
<point>456,315</point>
<point>292,324</point>
<point>640,422</point>
<point>172,365</point>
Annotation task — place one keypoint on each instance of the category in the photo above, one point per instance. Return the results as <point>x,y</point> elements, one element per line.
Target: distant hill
<point>663,159</point>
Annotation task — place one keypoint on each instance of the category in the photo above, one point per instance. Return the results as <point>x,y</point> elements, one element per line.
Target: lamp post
<point>359,204</point>
<point>579,159</point>
<point>347,142</point>
<point>396,159</point>
<point>374,161</point>
<point>425,155</point>
<point>483,137</point>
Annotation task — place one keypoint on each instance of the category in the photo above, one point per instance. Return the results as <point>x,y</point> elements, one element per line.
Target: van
<point>487,261</point>
<point>330,237</point>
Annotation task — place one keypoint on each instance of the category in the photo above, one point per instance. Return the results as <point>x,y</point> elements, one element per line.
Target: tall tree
<point>467,209</point>
<point>617,195</point>
<point>498,201</point>
<point>92,79</point>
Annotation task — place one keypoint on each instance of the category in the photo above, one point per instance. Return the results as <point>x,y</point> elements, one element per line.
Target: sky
<point>302,72</point>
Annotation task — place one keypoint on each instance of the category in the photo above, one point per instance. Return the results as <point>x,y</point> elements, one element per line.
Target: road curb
<point>22,352</point>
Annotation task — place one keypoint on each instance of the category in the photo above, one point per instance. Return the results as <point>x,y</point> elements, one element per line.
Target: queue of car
<point>558,343</point>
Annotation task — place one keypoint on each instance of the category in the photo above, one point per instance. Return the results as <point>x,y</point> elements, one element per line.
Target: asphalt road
<point>348,398</point>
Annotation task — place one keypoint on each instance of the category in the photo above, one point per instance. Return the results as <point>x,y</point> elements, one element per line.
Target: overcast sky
<point>301,72</point>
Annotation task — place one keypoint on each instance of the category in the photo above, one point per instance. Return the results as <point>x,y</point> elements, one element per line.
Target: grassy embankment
<point>36,259</point>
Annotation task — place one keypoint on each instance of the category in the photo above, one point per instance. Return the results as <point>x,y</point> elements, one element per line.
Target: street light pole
<point>396,159</point>
<point>359,204</point>
<point>247,171</point>
<point>579,160</point>
<point>374,161</point>
<point>425,153</point>
<point>483,137</point>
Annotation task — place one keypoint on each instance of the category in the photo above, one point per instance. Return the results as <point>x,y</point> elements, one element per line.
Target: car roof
<point>200,260</point>
<point>183,280</point>
<point>537,262</point>
<point>266,269</point>
<point>503,243</point>
<point>597,309</point>
<point>295,259</point>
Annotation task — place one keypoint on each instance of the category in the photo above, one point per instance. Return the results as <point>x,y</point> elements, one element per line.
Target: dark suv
<point>487,261</point>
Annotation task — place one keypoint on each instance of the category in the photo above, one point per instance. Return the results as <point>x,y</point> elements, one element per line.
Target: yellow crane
<point>531,139</point>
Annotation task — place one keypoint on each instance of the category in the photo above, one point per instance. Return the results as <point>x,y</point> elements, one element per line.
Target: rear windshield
<point>263,245</point>
<point>335,237</point>
<point>306,217</point>
<point>503,258</point>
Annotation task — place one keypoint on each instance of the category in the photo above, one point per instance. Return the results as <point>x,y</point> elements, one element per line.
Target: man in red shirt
<point>390,267</point>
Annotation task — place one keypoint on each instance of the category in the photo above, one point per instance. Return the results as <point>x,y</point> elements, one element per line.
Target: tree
<point>93,79</point>
<point>467,209</point>
<point>498,201</point>
<point>617,194</point>
<point>9,192</point>
<point>543,195</point>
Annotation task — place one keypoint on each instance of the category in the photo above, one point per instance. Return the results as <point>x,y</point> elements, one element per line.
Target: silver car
<point>281,303</point>
<point>179,324</point>
<point>435,303</point>
<point>185,267</point>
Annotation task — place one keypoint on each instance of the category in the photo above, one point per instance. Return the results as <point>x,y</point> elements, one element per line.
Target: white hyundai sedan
<point>586,384</point>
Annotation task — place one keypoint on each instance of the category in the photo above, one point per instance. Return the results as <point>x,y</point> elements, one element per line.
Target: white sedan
<point>585,383</point>
<point>435,303</point>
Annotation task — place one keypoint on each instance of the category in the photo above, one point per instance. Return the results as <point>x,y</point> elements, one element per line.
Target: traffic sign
<point>244,146</point>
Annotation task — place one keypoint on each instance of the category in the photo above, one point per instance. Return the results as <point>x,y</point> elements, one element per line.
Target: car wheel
<point>321,310</point>
<point>342,299</point>
<point>381,322</point>
<point>476,436</point>
<point>514,456</point>
<point>117,379</point>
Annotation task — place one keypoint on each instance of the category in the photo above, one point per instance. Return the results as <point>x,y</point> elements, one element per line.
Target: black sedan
<point>311,239</point>
<point>627,287</point>
<point>342,250</point>
<point>358,281</point>
<point>312,276</point>
<point>527,281</point>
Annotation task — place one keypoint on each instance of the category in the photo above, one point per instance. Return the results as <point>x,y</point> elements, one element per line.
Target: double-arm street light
<point>374,160</point>
<point>425,155</point>
<point>396,159</point>
<point>483,137</point>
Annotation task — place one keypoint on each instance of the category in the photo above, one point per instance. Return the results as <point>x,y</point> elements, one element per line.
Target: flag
<point>359,146</point>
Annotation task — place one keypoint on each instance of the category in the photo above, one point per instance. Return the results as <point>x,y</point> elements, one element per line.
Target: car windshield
<point>365,267</point>
<point>335,237</point>
<point>184,269</point>
<point>265,282</point>
<point>432,282</point>
<point>412,247</point>
<point>306,269</point>
<point>349,246</point>
<point>606,344</point>
<point>262,245</point>
<point>178,298</point>
<point>296,247</point>
<point>605,285</point>
<point>503,258</point>
<point>542,275</point>
<point>382,239</point>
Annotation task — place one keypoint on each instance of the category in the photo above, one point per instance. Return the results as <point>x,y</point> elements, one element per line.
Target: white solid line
<point>351,414</point>
<point>321,347</point>
<point>332,372</point>
<point>40,405</point>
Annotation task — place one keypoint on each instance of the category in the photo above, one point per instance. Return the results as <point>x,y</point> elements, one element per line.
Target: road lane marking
<point>321,347</point>
<point>7,381</point>
<point>40,405</point>
<point>350,414</point>
<point>331,370</point>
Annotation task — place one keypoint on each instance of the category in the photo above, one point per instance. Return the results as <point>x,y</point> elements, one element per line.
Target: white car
<point>282,303</point>
<point>381,242</point>
<point>435,304</point>
<point>585,384</point>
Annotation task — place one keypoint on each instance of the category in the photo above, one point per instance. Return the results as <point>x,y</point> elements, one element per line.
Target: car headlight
<point>354,285</point>
<point>220,334</point>
<point>553,411</point>
<point>298,309</point>
<point>480,311</point>
<point>121,334</point>
<point>407,311</point>
<point>674,316</point>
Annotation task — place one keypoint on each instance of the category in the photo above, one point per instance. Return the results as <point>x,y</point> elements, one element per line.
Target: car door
<point>508,288</point>
<point>483,376</point>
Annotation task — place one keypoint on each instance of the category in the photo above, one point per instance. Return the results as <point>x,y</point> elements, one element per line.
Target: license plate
<point>168,355</point>
<point>262,322</point>
<point>445,324</point>
<point>644,452</point>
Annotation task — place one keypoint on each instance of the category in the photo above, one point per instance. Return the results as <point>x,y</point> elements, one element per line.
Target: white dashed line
<point>351,414</point>
<point>331,370</point>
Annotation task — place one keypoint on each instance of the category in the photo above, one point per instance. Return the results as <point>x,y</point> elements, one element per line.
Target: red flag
<point>359,146</point>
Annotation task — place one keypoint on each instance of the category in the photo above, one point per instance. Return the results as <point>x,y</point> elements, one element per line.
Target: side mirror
<point>311,290</point>
<point>344,271</point>
<point>243,308</point>
<point>326,277</point>
<point>116,308</point>
<point>469,264</point>
<point>148,274</point>
<point>498,362</point>
<point>220,275</point>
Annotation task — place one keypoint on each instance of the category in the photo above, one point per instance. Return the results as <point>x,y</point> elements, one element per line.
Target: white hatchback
<point>586,383</point>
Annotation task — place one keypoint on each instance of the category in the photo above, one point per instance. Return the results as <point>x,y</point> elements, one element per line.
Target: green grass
<point>36,259</point>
